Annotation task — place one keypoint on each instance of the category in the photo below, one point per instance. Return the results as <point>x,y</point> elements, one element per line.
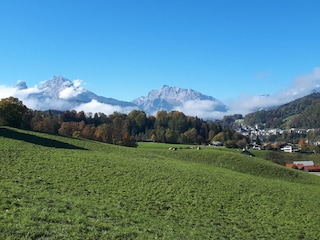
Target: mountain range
<point>60,93</point>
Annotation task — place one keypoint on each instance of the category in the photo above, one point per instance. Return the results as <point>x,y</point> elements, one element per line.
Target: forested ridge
<point>119,128</point>
<point>300,113</point>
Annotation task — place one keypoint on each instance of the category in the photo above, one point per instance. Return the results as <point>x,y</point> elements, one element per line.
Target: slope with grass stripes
<point>60,188</point>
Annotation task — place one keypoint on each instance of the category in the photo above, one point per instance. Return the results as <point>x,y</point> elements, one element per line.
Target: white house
<point>290,148</point>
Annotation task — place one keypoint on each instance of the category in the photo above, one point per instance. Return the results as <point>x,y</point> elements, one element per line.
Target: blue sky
<point>124,49</point>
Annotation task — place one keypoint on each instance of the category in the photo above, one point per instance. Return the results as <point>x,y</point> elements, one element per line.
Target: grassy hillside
<point>59,188</point>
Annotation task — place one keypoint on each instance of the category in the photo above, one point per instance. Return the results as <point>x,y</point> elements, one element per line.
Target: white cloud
<point>200,108</point>
<point>72,91</point>
<point>77,83</point>
<point>30,99</point>
<point>15,92</point>
<point>68,93</point>
<point>302,85</point>
<point>247,103</point>
<point>7,92</point>
<point>96,107</point>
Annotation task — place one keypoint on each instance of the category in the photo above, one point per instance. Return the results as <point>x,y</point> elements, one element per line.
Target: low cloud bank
<point>97,107</point>
<point>300,87</point>
<point>72,91</point>
<point>200,108</point>
<point>245,103</point>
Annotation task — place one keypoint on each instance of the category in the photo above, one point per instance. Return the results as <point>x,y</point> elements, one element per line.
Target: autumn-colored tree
<point>128,141</point>
<point>120,125</point>
<point>71,129</point>
<point>211,135</point>
<point>219,137</point>
<point>104,133</point>
<point>242,143</point>
<point>12,112</point>
<point>303,144</point>
<point>47,124</point>
<point>88,131</point>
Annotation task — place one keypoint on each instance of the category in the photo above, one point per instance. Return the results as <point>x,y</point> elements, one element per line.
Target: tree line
<point>119,128</point>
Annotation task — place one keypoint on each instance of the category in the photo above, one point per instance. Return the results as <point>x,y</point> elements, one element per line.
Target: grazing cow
<point>172,148</point>
<point>198,148</point>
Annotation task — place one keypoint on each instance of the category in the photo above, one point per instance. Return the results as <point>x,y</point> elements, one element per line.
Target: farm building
<point>311,168</point>
<point>307,166</point>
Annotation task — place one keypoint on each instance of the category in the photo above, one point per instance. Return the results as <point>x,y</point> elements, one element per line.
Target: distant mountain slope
<point>173,98</point>
<point>302,112</point>
<point>62,94</point>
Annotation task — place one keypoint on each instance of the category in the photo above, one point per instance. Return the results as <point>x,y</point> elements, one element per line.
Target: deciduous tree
<point>12,111</point>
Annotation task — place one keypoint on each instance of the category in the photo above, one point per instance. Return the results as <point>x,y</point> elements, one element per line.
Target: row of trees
<point>119,128</point>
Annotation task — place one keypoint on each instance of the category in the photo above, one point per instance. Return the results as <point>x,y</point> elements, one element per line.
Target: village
<point>260,137</point>
<point>257,136</point>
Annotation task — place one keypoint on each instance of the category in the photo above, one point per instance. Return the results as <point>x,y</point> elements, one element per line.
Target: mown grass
<point>100,191</point>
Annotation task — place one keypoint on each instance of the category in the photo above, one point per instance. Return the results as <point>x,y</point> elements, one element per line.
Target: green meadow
<point>53,187</point>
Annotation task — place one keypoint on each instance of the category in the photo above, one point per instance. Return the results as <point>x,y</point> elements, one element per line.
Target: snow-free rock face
<point>172,98</point>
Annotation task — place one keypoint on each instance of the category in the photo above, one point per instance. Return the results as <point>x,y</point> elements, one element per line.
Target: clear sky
<point>125,48</point>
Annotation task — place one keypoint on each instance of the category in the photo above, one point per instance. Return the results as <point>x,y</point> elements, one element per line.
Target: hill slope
<point>77,189</point>
<point>302,112</point>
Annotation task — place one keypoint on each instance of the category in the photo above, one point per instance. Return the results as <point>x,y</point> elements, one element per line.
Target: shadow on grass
<point>46,142</point>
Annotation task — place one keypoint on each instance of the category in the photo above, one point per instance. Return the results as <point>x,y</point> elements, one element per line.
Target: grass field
<point>60,188</point>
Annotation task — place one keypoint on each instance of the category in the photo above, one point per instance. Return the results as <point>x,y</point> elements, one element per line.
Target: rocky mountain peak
<point>57,81</point>
<point>55,85</point>
<point>21,85</point>
<point>168,98</point>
